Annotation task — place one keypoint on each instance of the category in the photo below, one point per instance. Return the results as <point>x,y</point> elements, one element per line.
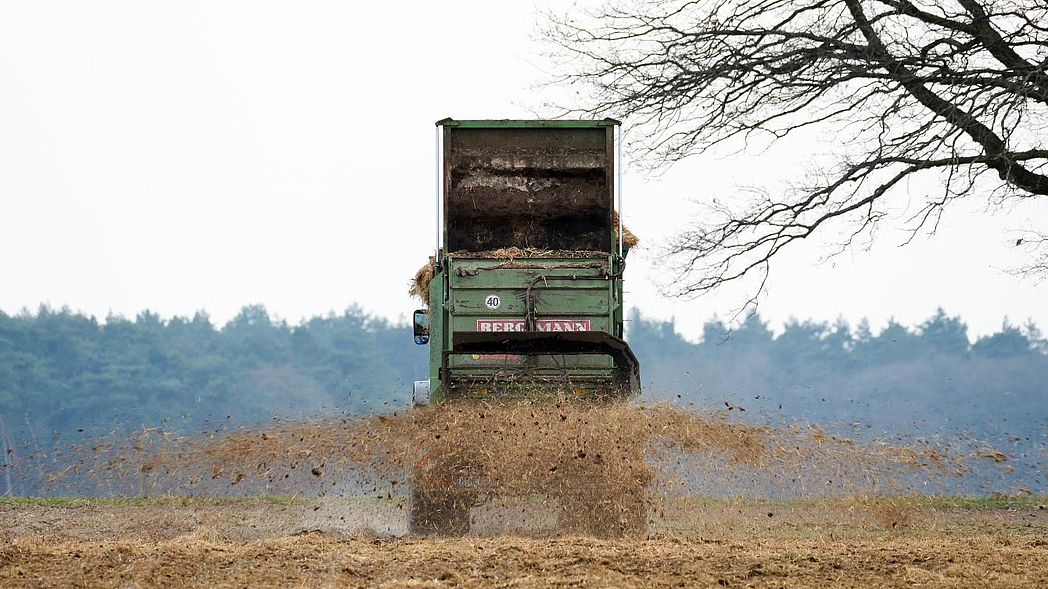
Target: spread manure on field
<point>598,469</point>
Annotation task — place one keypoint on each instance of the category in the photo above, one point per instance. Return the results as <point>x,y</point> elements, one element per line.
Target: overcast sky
<point>186,156</point>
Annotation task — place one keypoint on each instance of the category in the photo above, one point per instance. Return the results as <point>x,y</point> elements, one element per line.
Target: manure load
<point>529,186</point>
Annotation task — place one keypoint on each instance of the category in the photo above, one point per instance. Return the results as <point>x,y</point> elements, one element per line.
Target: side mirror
<point>420,325</point>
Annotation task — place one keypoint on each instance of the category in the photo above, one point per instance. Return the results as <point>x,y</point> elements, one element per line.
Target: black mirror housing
<point>420,326</point>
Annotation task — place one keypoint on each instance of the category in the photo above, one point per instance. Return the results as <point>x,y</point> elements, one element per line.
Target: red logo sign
<point>501,325</point>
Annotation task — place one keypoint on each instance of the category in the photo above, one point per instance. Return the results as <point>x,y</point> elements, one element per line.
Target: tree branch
<point>902,88</point>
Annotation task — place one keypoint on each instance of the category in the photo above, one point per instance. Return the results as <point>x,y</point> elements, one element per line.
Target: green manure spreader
<point>524,289</point>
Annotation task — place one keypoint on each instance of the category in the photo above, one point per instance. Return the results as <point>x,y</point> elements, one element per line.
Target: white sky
<point>207,155</point>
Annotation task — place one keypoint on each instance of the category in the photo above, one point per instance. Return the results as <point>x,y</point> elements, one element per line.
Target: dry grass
<point>420,283</point>
<point>200,559</point>
<point>628,238</point>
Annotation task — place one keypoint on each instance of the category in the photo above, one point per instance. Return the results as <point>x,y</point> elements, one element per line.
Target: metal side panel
<point>563,294</point>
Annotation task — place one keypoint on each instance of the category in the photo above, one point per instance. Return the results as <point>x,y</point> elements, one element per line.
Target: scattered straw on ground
<point>228,546</point>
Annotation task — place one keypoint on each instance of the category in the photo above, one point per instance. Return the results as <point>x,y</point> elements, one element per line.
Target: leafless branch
<point>948,88</point>
<point>1036,243</point>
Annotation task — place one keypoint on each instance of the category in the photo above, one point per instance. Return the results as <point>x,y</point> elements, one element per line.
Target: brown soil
<point>194,543</point>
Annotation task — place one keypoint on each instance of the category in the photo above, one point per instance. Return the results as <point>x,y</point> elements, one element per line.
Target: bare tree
<point>954,88</point>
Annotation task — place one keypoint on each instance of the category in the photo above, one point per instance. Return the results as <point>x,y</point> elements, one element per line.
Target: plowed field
<point>361,543</point>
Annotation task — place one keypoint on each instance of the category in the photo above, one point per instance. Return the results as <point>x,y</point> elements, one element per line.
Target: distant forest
<point>63,374</point>
<point>921,380</point>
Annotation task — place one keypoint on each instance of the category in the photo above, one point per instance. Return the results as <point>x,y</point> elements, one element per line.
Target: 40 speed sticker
<point>492,302</point>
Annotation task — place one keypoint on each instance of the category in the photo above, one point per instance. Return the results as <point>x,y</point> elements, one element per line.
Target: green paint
<point>485,297</point>
<point>563,297</point>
